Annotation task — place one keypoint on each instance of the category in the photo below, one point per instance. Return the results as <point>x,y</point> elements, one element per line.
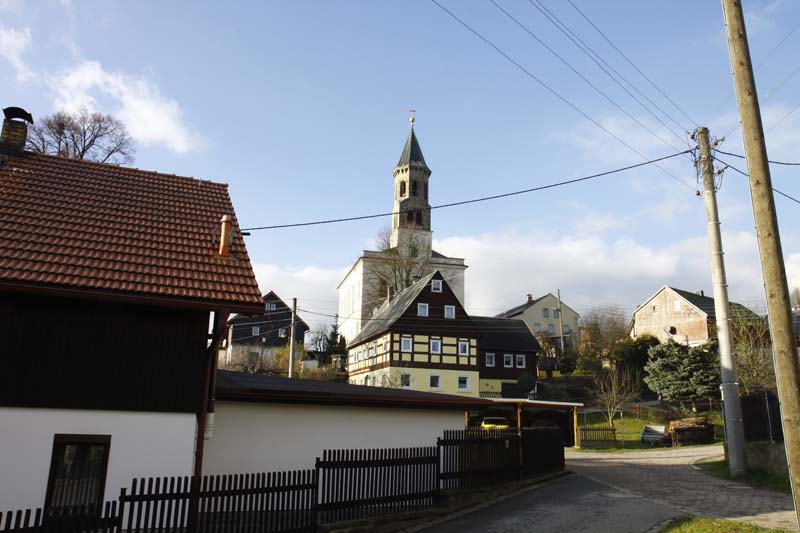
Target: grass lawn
<point>761,479</point>
<point>698,524</point>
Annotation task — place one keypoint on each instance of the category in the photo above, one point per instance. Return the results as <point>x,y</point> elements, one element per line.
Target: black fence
<point>344,485</point>
<point>761,414</point>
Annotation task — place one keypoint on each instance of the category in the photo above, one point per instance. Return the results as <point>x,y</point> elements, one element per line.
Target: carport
<point>530,412</point>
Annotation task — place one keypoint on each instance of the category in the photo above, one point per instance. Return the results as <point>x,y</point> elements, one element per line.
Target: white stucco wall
<point>142,445</point>
<point>262,437</point>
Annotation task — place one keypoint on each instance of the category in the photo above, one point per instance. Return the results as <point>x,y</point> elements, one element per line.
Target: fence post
<point>194,504</point>
<point>121,510</point>
<point>437,500</point>
<point>315,506</point>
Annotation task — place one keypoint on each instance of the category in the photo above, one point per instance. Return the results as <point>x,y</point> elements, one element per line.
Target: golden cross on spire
<point>412,119</point>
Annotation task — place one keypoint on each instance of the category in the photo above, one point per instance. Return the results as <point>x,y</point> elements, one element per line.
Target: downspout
<point>205,418</point>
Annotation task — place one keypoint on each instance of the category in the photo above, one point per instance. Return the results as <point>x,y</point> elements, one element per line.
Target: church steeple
<point>411,219</point>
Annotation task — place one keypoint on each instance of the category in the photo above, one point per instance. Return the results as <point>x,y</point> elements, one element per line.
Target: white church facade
<point>406,254</point>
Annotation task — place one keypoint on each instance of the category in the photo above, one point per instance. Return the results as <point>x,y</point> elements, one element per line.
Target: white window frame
<point>438,348</point>
<point>383,380</point>
<point>565,330</point>
<point>403,374</point>
<point>406,344</point>
<point>465,388</point>
<point>436,285</point>
<point>438,381</point>
<point>422,309</point>
<point>271,306</point>
<point>545,312</point>
<point>676,306</point>
<point>488,355</point>
<point>537,327</point>
<point>450,312</point>
<point>555,312</point>
<point>520,357</point>
<point>465,345</point>
<point>282,332</point>
<point>508,360</point>
<point>256,330</point>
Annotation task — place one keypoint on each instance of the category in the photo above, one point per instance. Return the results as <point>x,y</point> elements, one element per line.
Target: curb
<point>535,484</point>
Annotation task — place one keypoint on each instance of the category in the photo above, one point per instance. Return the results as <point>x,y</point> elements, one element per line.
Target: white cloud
<point>13,44</point>
<point>150,117</point>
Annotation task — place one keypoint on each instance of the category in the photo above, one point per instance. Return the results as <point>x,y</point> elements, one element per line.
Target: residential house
<point>683,316</point>
<point>109,279</point>
<point>407,255</point>
<point>544,320</point>
<point>252,340</point>
<point>507,350</point>
<point>422,339</point>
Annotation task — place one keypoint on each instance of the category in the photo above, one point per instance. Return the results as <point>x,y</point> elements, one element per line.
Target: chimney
<point>226,229</point>
<point>15,131</point>
<point>700,292</point>
<point>528,298</point>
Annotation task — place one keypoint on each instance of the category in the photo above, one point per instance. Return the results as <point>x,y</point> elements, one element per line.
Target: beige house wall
<point>535,315</point>
<point>669,316</point>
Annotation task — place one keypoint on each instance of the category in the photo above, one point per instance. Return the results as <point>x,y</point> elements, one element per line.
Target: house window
<point>371,351</point>
<point>489,359</point>
<point>402,188</point>
<point>282,332</point>
<point>435,382</point>
<point>463,383</point>
<point>436,346</point>
<point>565,329</point>
<point>655,309</point>
<point>77,470</point>
<point>546,312</point>
<point>436,285</point>
<point>366,381</point>
<point>383,380</point>
<point>537,328</point>
<point>463,347</point>
<point>555,313</point>
<point>256,330</point>
<point>271,306</point>
<point>508,360</point>
<point>676,305</point>
<point>406,344</point>
<point>450,311</point>
<point>405,381</point>
<point>374,381</point>
<point>551,329</point>
<point>422,309</point>
<point>520,360</point>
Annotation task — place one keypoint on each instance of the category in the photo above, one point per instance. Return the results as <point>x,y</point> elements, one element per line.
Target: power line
<point>474,200</point>
<point>598,59</point>
<point>743,157</point>
<point>584,78</point>
<point>743,173</point>
<point>631,63</point>
<point>551,90</point>
<point>784,117</point>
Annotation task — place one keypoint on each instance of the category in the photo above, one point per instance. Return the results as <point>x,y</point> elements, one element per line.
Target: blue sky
<point>302,108</point>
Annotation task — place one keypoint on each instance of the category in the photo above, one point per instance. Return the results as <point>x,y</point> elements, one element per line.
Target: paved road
<point>628,492</point>
<point>666,477</point>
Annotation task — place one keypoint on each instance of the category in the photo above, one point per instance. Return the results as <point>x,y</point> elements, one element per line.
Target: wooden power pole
<point>734,428</point>
<point>560,322</point>
<point>784,343</point>
<point>291,338</point>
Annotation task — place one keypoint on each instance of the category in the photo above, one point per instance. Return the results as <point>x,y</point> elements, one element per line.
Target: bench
<point>655,435</point>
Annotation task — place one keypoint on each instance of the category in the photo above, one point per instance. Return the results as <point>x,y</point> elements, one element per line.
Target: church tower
<point>411,215</point>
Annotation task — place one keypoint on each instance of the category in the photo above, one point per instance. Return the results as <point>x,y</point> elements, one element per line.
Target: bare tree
<point>319,336</point>
<point>615,388</point>
<point>602,328</point>
<point>82,135</point>
<point>395,268</point>
<point>752,350</point>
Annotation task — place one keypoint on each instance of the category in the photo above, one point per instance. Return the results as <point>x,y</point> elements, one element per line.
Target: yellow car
<point>494,422</point>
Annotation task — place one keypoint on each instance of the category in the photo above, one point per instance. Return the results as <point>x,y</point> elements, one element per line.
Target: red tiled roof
<point>68,225</point>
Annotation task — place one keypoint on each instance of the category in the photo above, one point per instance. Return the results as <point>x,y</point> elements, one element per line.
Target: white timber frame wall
<point>264,437</point>
<point>142,445</point>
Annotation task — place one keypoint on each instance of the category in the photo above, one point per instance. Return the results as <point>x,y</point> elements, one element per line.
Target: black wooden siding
<point>64,353</point>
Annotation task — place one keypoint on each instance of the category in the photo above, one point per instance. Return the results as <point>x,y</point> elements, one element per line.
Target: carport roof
<point>537,403</point>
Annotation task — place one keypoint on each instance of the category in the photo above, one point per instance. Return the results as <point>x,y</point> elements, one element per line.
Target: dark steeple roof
<point>412,153</point>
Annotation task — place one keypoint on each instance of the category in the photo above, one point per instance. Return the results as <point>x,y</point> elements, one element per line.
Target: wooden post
<point>784,342</point>
<point>466,419</point>
<point>575,425</point>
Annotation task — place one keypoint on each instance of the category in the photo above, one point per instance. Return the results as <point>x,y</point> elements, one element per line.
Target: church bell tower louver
<point>411,215</point>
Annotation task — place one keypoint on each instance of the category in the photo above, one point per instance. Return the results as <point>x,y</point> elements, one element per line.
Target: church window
<point>414,188</point>
<point>424,191</point>
<point>410,216</point>
<point>402,188</point>
<point>419,218</point>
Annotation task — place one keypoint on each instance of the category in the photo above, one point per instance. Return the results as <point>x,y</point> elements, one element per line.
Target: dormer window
<point>422,309</point>
<point>436,285</point>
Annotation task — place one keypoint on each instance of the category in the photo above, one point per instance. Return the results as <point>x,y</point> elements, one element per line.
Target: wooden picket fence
<point>357,484</point>
<point>597,438</point>
<point>344,485</point>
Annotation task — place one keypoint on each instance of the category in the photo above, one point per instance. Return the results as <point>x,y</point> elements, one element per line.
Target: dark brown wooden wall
<point>98,355</point>
<point>436,324</point>
<point>499,371</point>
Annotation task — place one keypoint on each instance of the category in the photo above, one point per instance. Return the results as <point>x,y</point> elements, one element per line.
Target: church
<point>405,254</point>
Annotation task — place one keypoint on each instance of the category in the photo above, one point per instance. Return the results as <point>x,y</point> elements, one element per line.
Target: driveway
<point>628,492</point>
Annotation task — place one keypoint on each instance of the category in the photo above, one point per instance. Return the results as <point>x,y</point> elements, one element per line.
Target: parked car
<point>494,422</point>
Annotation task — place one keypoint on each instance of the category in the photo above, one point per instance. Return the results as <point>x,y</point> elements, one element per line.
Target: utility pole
<point>291,338</point>
<point>734,428</point>
<point>560,322</point>
<point>784,344</point>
